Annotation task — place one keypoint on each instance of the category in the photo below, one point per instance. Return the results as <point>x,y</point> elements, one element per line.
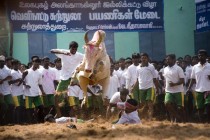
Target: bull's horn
<point>99,39</point>
<point>86,37</point>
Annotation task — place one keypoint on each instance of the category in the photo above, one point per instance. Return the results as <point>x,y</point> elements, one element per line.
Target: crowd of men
<point>175,89</point>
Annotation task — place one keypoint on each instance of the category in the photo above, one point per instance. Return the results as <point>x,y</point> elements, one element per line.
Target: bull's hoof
<point>84,102</point>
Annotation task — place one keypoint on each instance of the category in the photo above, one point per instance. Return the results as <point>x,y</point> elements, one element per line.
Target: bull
<point>95,67</point>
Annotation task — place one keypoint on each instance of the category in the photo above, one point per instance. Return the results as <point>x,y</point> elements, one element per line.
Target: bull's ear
<point>86,37</point>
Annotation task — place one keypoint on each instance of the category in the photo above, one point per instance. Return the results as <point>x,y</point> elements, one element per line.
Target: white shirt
<point>62,120</point>
<point>75,91</point>
<point>69,64</point>
<point>129,118</point>
<point>188,73</point>
<point>15,89</point>
<point>33,79</point>
<point>173,74</point>
<point>131,76</point>
<point>5,87</point>
<point>145,76</point>
<point>113,86</point>
<point>200,74</point>
<point>116,98</point>
<point>121,74</point>
<point>161,73</point>
<point>48,77</point>
<point>57,73</point>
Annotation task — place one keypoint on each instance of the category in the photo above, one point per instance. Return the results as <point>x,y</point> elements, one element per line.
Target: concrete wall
<point>126,43</point>
<point>20,48</point>
<point>179,26</point>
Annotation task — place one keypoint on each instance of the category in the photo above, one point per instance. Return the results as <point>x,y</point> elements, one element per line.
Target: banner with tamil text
<point>82,15</point>
<point>202,15</point>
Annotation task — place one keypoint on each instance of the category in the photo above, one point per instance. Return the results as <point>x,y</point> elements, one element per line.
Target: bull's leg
<point>104,83</point>
<point>83,85</point>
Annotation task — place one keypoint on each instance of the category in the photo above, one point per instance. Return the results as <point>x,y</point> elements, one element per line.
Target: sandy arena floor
<point>100,129</point>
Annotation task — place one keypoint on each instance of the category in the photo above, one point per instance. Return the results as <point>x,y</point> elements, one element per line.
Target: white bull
<point>95,68</point>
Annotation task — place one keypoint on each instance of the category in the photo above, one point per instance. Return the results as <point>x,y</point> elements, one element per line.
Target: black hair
<point>128,58</point>
<point>34,57</point>
<point>124,91</point>
<point>15,61</point>
<point>128,61</point>
<point>121,59</point>
<point>144,54</point>
<point>57,60</point>
<point>187,56</point>
<point>73,44</point>
<point>132,102</point>
<point>203,52</point>
<point>172,56</point>
<point>46,58</point>
<point>135,55</point>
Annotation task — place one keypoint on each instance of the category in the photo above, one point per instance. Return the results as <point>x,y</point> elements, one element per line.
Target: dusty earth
<point>100,129</point>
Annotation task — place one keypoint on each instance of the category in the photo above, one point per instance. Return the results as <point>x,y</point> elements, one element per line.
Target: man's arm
<point>108,111</point>
<point>25,73</point>
<point>15,81</point>
<point>57,51</point>
<point>155,81</point>
<point>5,79</point>
<point>192,82</point>
<point>42,90</point>
<point>180,82</point>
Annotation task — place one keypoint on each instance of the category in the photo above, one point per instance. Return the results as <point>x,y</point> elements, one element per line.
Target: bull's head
<point>94,50</point>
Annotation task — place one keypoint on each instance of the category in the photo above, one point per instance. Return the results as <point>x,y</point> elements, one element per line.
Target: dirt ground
<point>100,129</point>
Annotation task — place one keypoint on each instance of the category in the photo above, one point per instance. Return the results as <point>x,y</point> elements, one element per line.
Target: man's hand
<point>43,93</point>
<point>67,53</point>
<point>52,51</point>
<point>171,84</point>
<point>7,78</point>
